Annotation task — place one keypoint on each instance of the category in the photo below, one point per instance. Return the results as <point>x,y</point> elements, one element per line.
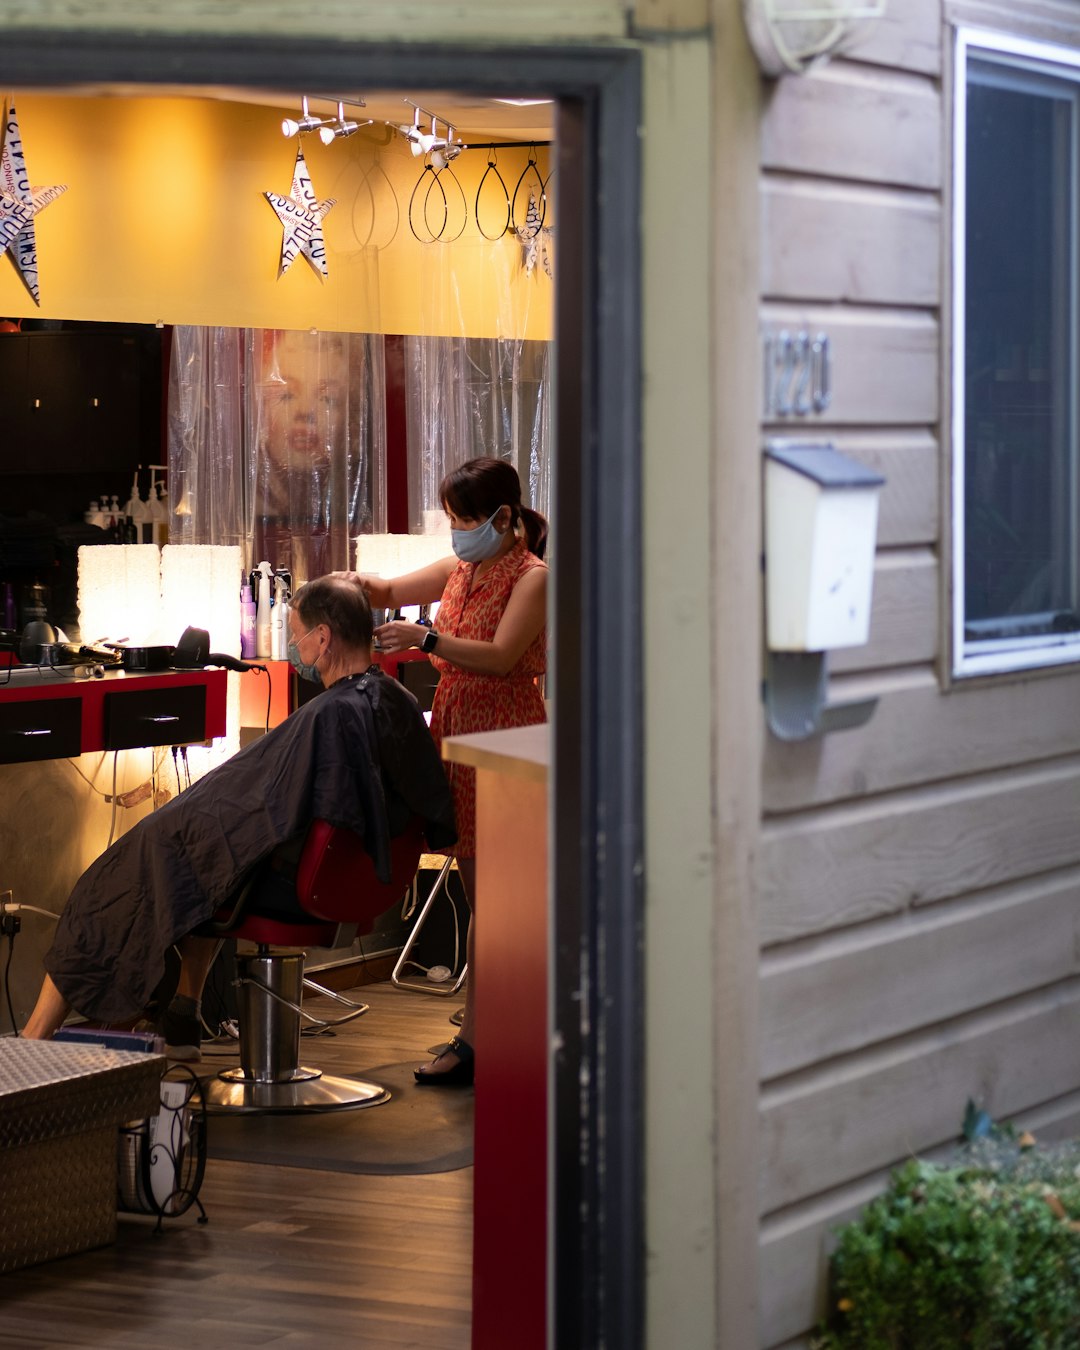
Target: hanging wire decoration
<point>439,150</point>
<point>534,187</point>
<point>382,185</point>
<point>492,168</point>
<point>362,187</point>
<point>421,213</point>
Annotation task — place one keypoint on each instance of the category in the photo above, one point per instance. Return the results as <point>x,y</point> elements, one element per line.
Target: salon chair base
<point>320,1092</point>
<point>270,1077</point>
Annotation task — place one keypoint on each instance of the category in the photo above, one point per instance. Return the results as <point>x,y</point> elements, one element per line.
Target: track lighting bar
<point>327,127</point>
<point>442,149</point>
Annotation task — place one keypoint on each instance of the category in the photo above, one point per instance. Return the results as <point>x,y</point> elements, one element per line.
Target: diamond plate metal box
<point>60,1109</point>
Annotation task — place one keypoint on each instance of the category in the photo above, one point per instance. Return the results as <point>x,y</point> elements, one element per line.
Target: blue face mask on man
<point>307,670</point>
<point>480,544</point>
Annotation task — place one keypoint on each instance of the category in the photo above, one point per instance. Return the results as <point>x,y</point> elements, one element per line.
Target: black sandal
<point>461,1075</point>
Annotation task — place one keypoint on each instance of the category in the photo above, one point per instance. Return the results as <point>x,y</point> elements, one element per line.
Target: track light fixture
<point>306,122</point>
<point>411,131</point>
<point>330,130</point>
<point>447,152</point>
<point>327,127</point>
<point>442,149</point>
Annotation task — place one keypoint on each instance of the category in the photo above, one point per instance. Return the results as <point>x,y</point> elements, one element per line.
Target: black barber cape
<point>359,756</point>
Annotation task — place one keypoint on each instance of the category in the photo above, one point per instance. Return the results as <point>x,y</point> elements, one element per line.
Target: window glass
<point>1017,429</point>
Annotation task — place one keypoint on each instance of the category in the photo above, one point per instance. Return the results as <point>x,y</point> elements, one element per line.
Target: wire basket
<point>162,1159</point>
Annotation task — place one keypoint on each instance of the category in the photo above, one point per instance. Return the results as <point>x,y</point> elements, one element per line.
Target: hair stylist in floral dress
<point>488,644</point>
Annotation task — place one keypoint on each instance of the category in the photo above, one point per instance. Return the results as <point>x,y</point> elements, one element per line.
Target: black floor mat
<point>419,1130</point>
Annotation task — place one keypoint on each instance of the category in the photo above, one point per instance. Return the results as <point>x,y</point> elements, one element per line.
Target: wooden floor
<point>290,1257</point>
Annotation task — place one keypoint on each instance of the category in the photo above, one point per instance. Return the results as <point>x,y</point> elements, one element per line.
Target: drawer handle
<point>37,731</point>
<point>160,718</point>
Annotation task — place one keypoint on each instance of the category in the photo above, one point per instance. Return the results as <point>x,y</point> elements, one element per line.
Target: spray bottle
<point>262,614</point>
<point>279,620</point>
<point>137,510</point>
<point>248,638</point>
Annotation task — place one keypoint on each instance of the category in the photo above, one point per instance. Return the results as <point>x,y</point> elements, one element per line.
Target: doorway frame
<point>596,813</point>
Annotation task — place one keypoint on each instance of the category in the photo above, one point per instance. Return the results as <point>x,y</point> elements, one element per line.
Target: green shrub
<point>984,1253</point>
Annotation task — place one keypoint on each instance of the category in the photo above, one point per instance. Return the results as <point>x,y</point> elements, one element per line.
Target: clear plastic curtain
<point>277,443</point>
<point>206,436</point>
<point>476,396</point>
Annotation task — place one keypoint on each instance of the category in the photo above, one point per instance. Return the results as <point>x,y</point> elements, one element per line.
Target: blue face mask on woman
<point>307,670</point>
<point>480,544</point>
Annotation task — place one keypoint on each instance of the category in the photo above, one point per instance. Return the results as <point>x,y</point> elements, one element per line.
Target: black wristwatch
<point>428,641</point>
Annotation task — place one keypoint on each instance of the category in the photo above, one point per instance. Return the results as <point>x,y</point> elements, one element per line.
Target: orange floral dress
<point>466,702</point>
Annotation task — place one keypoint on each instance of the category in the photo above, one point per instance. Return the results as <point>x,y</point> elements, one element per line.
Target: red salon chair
<point>335,886</point>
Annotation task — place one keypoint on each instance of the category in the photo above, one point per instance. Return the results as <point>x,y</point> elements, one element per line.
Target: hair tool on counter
<point>193,652</point>
<point>42,645</point>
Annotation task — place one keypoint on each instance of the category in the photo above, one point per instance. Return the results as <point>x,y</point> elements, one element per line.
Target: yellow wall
<point>164,220</point>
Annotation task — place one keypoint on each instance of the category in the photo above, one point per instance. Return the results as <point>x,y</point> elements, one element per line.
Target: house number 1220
<point>798,374</point>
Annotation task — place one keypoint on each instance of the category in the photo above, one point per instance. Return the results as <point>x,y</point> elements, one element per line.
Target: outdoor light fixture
<point>306,122</point>
<point>790,36</point>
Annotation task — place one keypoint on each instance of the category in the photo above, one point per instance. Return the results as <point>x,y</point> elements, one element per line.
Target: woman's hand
<point>399,635</point>
<point>377,589</point>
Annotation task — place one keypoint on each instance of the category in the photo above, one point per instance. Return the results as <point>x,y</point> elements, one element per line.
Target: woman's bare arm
<point>524,617</point>
<point>422,587</point>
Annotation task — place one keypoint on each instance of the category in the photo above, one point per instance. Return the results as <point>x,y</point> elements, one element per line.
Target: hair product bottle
<point>262,614</point>
<point>279,632</point>
<point>248,639</point>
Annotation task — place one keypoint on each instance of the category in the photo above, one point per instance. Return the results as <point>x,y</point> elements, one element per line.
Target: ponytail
<point>536,530</point>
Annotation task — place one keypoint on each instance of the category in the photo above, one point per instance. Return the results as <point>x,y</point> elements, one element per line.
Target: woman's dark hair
<point>476,489</point>
<point>340,604</point>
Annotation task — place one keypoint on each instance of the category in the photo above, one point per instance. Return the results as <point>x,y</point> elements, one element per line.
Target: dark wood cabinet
<point>80,402</point>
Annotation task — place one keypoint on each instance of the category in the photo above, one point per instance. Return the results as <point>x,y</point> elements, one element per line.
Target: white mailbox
<point>821,512</point>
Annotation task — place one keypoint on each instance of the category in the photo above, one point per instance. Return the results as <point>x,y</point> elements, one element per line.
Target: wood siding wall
<point>918,878</point>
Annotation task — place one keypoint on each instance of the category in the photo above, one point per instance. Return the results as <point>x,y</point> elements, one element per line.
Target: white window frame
<point>1020,652</point>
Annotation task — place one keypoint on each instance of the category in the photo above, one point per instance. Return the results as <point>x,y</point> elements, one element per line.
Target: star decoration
<point>301,218</point>
<point>535,240</point>
<point>19,204</point>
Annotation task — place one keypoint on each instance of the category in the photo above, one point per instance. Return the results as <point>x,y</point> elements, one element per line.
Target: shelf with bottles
<point>138,520</point>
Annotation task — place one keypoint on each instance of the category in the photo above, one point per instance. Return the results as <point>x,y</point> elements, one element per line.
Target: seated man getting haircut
<point>359,756</point>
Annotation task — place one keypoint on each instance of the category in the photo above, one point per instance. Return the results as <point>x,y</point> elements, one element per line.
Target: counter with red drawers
<point>52,714</point>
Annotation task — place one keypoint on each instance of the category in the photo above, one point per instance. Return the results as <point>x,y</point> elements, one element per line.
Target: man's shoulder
<point>387,698</point>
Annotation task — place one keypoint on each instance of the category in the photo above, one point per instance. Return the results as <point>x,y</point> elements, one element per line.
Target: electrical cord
<point>112,822</point>
<point>7,982</point>
<point>89,782</point>
<point>156,765</point>
<point>176,770</point>
<point>29,909</point>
